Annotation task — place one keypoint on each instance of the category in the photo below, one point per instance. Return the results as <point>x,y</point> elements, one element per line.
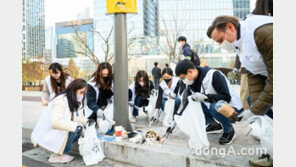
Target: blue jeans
<point>140,102</point>
<point>72,137</point>
<point>269,112</point>
<point>177,104</point>
<point>212,113</point>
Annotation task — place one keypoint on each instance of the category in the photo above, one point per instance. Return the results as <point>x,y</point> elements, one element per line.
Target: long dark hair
<point>71,93</point>
<point>55,67</point>
<point>263,7</point>
<point>138,88</point>
<point>98,76</point>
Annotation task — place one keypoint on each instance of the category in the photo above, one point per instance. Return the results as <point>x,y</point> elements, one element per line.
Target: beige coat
<point>45,91</point>
<point>57,121</point>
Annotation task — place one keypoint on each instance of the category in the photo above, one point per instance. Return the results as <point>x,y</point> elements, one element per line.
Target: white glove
<point>198,97</point>
<point>246,115</point>
<point>234,71</point>
<point>131,103</point>
<point>172,95</point>
<point>100,114</point>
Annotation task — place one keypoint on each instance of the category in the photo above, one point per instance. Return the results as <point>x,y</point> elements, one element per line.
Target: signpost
<point>121,108</point>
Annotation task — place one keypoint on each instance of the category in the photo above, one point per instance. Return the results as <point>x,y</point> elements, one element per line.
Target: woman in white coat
<point>55,83</point>
<point>62,122</point>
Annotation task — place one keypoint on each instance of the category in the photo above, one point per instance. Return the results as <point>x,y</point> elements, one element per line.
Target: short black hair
<point>183,66</point>
<point>155,63</point>
<point>167,70</point>
<point>182,38</point>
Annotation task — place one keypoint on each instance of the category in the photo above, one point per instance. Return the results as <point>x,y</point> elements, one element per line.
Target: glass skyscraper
<point>142,27</point>
<point>33,30</point>
<point>67,43</point>
<point>193,17</point>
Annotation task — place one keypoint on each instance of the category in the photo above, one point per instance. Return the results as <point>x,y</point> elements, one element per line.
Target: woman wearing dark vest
<point>100,89</point>
<point>139,92</point>
<point>55,83</point>
<point>169,87</point>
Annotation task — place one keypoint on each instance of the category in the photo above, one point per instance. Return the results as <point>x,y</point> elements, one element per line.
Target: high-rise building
<point>73,38</point>
<point>241,8</point>
<point>191,18</point>
<point>33,30</point>
<point>143,24</point>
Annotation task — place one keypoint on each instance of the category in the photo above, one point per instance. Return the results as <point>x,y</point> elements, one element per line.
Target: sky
<point>64,10</point>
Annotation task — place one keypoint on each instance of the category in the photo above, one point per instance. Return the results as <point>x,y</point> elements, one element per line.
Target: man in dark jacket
<point>187,52</point>
<point>156,72</point>
<point>208,86</point>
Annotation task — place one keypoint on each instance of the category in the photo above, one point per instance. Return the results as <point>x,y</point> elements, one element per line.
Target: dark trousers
<point>156,83</point>
<point>140,102</point>
<point>72,137</point>
<point>211,113</point>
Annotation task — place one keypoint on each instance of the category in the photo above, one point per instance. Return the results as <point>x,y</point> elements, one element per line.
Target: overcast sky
<point>64,10</point>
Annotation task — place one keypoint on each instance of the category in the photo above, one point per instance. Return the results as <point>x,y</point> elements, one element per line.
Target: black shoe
<point>214,128</point>
<point>227,138</point>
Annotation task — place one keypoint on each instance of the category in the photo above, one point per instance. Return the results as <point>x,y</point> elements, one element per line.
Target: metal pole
<point>121,109</point>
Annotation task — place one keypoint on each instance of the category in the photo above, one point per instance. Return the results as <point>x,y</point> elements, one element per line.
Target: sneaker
<point>264,161</point>
<point>227,138</point>
<point>55,158</point>
<point>214,128</point>
<point>133,119</point>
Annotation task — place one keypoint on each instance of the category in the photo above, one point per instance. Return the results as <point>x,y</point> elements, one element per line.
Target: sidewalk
<point>173,152</point>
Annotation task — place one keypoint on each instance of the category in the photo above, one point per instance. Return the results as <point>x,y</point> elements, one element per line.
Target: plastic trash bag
<point>262,128</point>
<point>152,104</point>
<point>109,111</point>
<point>90,148</point>
<point>169,112</point>
<point>105,125</point>
<point>192,123</point>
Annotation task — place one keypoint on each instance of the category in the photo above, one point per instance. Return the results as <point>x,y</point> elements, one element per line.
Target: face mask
<point>141,83</point>
<point>79,98</point>
<point>167,80</point>
<point>105,79</point>
<point>227,45</point>
<point>187,82</point>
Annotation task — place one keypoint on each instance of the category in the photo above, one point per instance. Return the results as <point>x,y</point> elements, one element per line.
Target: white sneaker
<point>55,158</point>
<point>132,119</point>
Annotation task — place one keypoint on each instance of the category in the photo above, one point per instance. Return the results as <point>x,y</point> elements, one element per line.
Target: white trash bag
<point>192,123</point>
<point>90,148</point>
<point>169,112</point>
<point>152,104</point>
<point>262,128</point>
<point>109,112</point>
<point>105,125</point>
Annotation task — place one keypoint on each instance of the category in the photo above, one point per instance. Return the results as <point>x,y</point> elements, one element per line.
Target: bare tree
<point>172,30</point>
<point>84,46</point>
<point>85,49</point>
<point>106,46</point>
